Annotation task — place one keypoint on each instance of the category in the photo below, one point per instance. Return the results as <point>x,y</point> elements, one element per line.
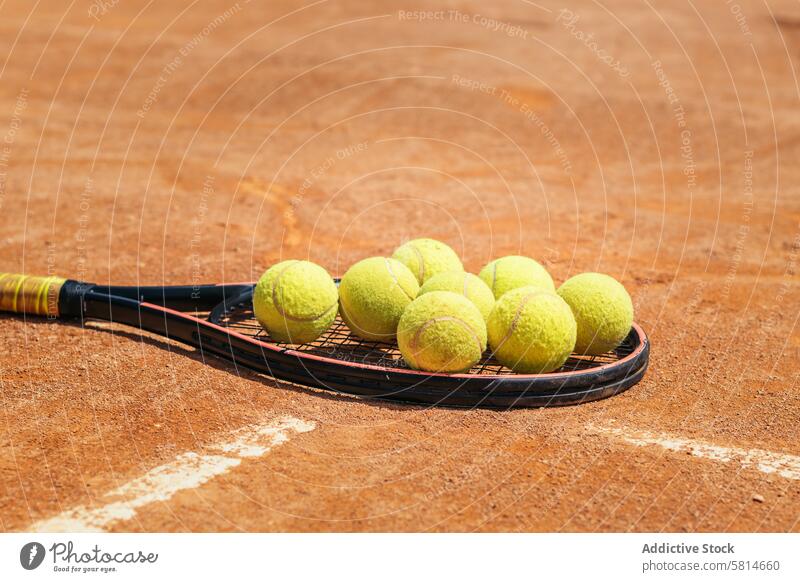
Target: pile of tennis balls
<point>442,317</point>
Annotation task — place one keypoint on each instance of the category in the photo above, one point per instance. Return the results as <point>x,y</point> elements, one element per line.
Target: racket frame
<point>163,311</point>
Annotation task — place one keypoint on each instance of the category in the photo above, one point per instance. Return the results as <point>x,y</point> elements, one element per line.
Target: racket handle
<point>29,294</point>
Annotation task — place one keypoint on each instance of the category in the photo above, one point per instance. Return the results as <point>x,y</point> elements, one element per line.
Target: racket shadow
<point>217,363</point>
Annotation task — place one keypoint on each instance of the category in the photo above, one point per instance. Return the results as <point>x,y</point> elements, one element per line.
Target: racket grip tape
<point>30,294</point>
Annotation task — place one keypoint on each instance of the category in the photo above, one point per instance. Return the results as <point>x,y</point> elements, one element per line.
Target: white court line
<point>187,471</point>
<point>783,464</point>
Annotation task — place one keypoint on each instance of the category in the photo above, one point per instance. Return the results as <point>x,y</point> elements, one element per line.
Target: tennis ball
<point>503,275</point>
<point>602,309</point>
<point>373,294</point>
<point>531,330</point>
<point>441,331</point>
<point>426,257</point>
<point>466,284</point>
<point>295,301</point>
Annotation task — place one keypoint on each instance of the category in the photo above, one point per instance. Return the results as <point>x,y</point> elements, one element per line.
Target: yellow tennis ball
<point>295,301</point>
<point>372,296</point>
<point>531,330</point>
<point>426,257</point>
<point>467,284</point>
<point>441,331</point>
<point>603,310</point>
<point>507,273</point>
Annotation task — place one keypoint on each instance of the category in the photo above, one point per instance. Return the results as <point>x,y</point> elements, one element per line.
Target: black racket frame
<point>193,315</point>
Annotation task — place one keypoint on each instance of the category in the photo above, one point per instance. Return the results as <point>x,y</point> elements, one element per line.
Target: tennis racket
<point>219,320</point>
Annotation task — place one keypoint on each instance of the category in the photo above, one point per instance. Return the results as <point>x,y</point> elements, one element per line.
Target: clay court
<point>185,143</point>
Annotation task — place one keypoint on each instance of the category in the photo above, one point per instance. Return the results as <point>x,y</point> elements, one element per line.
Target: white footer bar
<point>388,557</point>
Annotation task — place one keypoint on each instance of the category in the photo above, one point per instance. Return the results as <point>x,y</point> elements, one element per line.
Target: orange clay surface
<point>179,143</point>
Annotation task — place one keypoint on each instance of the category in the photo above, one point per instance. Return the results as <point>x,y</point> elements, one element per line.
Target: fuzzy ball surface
<point>602,308</point>
<point>507,273</point>
<point>295,301</point>
<point>470,286</point>
<point>441,331</point>
<point>373,295</point>
<point>426,258</point>
<point>531,330</point>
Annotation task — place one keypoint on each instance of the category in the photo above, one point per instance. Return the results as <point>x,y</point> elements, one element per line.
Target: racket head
<point>343,362</point>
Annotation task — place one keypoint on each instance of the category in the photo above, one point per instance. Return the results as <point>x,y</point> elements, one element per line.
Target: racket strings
<point>339,344</point>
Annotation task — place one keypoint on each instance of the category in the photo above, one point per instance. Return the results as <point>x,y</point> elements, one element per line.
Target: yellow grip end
<point>28,294</point>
